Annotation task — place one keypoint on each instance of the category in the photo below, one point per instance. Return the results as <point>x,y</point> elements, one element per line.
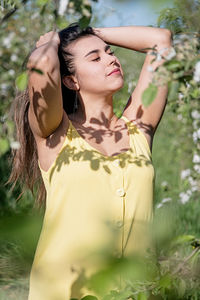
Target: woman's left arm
<point>137,38</point>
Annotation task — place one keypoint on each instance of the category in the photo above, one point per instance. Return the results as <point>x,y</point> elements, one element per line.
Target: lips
<point>116,70</point>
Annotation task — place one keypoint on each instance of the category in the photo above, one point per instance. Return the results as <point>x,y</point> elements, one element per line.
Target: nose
<point>111,59</point>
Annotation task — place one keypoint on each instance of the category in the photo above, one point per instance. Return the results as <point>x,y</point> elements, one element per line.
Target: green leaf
<point>165,281</point>
<point>195,93</point>
<point>21,81</point>
<point>178,74</point>
<point>173,65</point>
<point>181,288</point>
<point>149,95</point>
<point>173,89</point>
<point>89,297</point>
<point>84,22</point>
<point>41,2</point>
<point>142,296</point>
<point>181,239</point>
<point>61,22</point>
<point>4,146</point>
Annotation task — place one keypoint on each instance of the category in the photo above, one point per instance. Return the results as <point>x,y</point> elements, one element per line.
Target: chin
<point>118,86</point>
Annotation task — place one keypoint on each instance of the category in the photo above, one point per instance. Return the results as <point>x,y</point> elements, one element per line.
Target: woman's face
<point>94,61</point>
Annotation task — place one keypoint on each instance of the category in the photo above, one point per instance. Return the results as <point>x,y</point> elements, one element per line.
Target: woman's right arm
<point>46,107</point>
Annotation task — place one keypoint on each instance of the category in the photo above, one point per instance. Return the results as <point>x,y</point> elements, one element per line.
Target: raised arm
<point>46,108</point>
<point>138,38</point>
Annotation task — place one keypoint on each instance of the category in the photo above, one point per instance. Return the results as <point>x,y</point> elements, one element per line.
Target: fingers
<point>50,36</point>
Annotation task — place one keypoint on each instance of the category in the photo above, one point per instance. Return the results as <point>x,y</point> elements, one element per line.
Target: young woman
<point>97,169</point>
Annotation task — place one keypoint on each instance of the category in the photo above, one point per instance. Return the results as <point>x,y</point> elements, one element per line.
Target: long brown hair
<point>25,169</point>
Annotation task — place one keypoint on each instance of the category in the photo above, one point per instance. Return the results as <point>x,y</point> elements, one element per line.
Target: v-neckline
<point>97,151</point>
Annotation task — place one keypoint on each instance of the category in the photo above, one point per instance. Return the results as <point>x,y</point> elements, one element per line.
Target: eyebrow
<point>97,50</point>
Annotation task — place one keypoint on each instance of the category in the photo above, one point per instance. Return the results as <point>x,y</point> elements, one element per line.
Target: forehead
<point>86,44</point>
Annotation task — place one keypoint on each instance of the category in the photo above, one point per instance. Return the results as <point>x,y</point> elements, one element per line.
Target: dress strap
<point>131,127</point>
<point>134,129</point>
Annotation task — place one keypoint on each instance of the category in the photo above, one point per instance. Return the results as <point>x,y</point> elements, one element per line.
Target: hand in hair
<point>49,37</point>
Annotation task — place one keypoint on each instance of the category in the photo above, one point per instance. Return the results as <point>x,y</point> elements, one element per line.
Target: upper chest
<point>108,142</point>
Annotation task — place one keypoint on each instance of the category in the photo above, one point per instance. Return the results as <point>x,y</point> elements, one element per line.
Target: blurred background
<point>176,143</point>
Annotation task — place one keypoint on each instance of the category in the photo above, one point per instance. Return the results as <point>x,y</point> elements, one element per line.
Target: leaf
<point>173,89</point>
<point>181,288</point>
<point>61,22</point>
<point>89,297</point>
<point>41,2</point>
<point>181,239</point>
<point>195,93</point>
<point>142,296</point>
<point>21,81</point>
<point>165,281</point>
<point>173,65</point>
<point>149,95</point>
<point>4,146</point>
<point>37,71</point>
<point>84,22</point>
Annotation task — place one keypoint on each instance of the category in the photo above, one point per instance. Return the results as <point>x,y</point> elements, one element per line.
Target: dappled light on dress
<point>96,204</point>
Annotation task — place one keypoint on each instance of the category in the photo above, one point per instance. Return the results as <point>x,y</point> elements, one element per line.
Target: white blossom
<point>15,145</point>
<point>159,57</point>
<point>171,54</point>
<point>195,124</point>
<point>197,168</point>
<point>13,57</point>
<point>197,72</point>
<point>195,136</point>
<point>185,197</point>
<point>4,86</point>
<point>195,114</point>
<point>192,181</point>
<point>35,15</point>
<point>194,188</point>
<point>8,39</point>
<point>198,133</point>
<point>11,72</point>
<point>62,7</point>
<point>183,36</point>
<point>159,205</point>
<point>22,29</point>
<point>166,200</point>
<point>164,184</point>
<point>179,117</point>
<point>196,158</point>
<point>50,17</point>
<point>180,96</point>
<point>185,173</point>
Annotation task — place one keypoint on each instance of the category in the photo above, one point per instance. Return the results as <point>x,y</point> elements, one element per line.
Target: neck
<point>98,112</point>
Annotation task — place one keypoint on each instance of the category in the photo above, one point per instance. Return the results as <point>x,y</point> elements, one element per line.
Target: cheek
<point>92,72</point>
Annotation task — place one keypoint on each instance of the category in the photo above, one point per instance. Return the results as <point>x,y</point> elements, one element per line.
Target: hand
<point>49,37</point>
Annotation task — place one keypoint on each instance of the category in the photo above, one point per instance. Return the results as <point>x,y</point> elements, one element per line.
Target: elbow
<point>37,60</point>
<point>166,36</point>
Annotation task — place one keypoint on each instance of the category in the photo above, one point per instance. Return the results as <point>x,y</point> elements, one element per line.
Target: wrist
<point>98,32</point>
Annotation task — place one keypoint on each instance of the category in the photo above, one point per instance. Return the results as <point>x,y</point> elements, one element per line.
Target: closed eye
<point>96,59</point>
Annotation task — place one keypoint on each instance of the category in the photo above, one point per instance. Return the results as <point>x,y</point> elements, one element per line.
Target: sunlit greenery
<point>174,267</point>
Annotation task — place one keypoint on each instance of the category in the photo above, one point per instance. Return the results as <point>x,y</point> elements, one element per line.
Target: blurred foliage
<point>182,17</point>
<point>168,270</point>
<point>172,271</point>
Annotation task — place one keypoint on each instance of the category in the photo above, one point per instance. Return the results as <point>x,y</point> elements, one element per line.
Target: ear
<point>71,82</point>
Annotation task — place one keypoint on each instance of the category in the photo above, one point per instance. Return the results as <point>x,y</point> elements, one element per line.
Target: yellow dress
<point>95,204</point>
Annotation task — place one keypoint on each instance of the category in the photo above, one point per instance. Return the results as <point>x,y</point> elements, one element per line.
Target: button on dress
<point>94,202</point>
